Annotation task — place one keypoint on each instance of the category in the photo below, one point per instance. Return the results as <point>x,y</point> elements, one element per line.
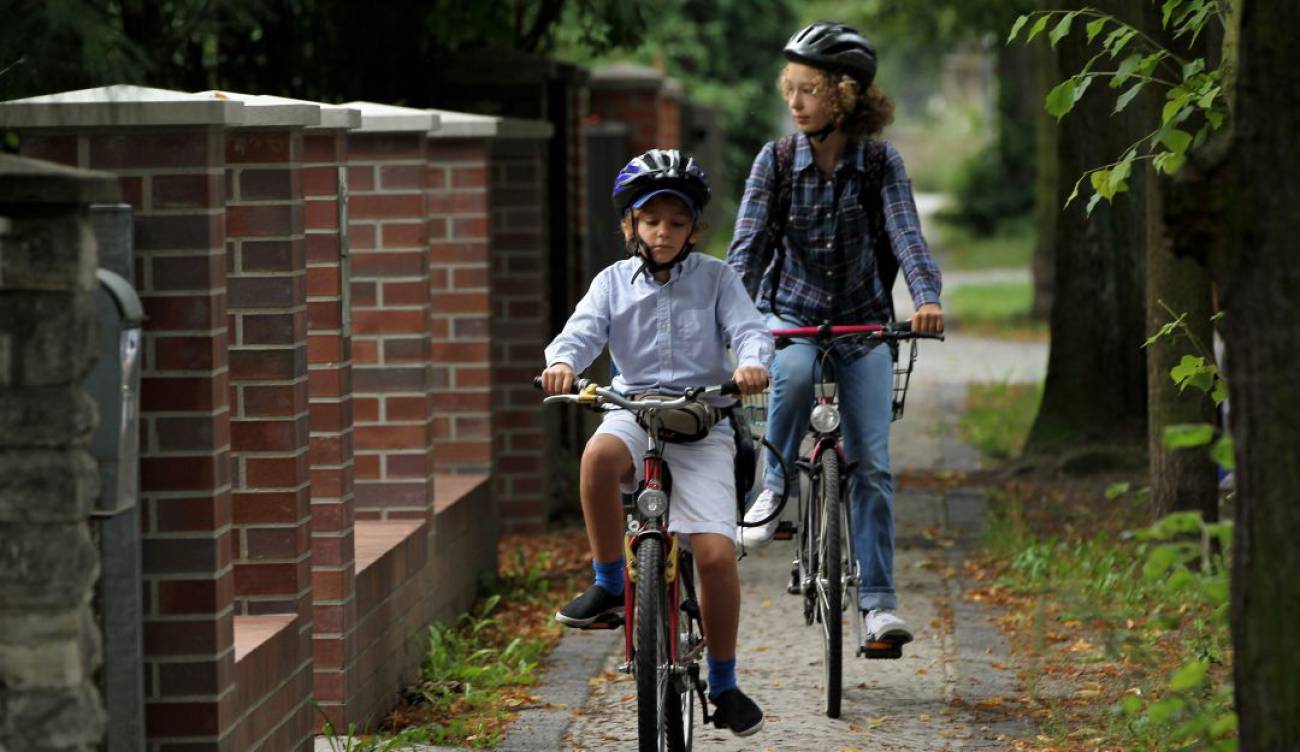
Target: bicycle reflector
<point>825,418</point>
<point>652,502</point>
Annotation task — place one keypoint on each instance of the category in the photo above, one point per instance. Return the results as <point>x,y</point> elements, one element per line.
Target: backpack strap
<point>778,211</point>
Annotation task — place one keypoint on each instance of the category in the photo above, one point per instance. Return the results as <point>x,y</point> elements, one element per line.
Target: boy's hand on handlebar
<point>750,379</point>
<point>928,318</point>
<point>557,379</point>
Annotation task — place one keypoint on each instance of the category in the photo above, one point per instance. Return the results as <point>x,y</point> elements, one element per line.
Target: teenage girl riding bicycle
<point>665,315</point>
<point>826,221</point>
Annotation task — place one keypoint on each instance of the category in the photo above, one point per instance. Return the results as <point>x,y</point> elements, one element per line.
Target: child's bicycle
<point>825,570</point>
<point>665,641</point>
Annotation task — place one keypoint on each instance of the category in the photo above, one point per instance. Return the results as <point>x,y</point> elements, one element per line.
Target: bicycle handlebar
<point>588,392</point>
<point>896,331</point>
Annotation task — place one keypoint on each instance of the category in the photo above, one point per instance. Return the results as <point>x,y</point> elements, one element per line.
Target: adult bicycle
<point>825,570</point>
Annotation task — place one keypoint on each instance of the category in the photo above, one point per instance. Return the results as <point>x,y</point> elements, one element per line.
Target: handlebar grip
<point>574,388</point>
<point>730,387</point>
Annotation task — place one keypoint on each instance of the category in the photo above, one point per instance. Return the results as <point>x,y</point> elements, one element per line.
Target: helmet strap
<point>824,131</point>
<point>638,247</point>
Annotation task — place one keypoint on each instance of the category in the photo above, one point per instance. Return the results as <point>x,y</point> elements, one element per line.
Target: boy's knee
<point>605,455</point>
<point>716,557</point>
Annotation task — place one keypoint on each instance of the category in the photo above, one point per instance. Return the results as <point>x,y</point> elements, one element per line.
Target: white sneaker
<point>763,506</point>
<point>883,626</point>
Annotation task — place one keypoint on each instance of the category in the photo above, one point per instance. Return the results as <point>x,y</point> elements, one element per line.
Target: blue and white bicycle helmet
<point>661,171</point>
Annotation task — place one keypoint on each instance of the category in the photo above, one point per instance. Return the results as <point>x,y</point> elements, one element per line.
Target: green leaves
<point>1062,27</point>
<point>1189,676</point>
<point>1061,99</point>
<point>1187,435</point>
<point>1196,371</point>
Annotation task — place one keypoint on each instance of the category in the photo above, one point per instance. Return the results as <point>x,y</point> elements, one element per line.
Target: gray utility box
<point>114,384</point>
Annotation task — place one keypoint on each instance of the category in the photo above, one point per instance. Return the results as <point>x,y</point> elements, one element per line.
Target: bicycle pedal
<point>606,621</point>
<point>785,530</point>
<point>879,649</point>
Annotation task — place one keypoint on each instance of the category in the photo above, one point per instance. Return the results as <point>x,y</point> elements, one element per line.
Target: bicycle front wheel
<point>830,580</point>
<point>653,675</point>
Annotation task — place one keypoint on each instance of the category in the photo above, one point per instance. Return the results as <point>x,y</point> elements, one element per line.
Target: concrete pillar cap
<point>119,106</point>
<point>262,111</point>
<point>390,118</point>
<point>471,125</point>
<point>35,181</point>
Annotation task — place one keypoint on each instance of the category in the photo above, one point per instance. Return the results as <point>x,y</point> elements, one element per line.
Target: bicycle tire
<point>807,548</point>
<point>680,709</point>
<point>830,600</point>
<point>651,661</point>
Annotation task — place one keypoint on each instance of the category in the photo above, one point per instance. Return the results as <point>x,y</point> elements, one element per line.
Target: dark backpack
<point>778,212</point>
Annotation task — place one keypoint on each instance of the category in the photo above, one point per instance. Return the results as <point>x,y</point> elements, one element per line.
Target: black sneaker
<point>587,608</point>
<point>737,712</point>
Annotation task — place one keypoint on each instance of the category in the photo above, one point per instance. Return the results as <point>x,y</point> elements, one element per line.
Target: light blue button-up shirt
<point>665,337</point>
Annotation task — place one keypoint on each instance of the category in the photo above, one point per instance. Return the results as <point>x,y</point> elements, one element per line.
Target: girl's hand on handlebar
<point>557,379</point>
<point>750,379</point>
<point>928,318</point>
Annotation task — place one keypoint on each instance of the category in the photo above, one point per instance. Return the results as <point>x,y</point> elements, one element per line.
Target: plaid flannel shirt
<point>829,272</point>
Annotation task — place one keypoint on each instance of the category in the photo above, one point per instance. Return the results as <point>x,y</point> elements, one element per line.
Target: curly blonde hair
<point>861,114</point>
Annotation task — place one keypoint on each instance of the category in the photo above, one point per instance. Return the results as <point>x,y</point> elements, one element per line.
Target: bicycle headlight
<point>825,418</point>
<point>652,502</point>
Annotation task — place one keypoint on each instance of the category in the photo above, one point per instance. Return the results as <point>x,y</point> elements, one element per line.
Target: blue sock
<point>722,676</point>
<point>609,575</point>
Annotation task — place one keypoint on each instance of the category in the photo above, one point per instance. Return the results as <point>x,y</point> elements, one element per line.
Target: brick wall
<point>390,326</point>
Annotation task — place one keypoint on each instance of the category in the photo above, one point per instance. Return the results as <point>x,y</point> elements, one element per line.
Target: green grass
<point>998,417</point>
<point>1140,628</point>
<point>990,303</point>
<point>995,310</point>
<point>1012,246</point>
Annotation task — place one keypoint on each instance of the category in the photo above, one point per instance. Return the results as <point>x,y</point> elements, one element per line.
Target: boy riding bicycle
<point>665,315</point>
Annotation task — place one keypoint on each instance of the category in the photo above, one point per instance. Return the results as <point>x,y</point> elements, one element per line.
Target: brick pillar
<point>459,207</point>
<point>269,418</point>
<point>392,403</point>
<point>488,245</point>
<point>329,356</point>
<point>520,331</point>
<point>168,151</point>
<point>49,643</point>
<point>642,98</point>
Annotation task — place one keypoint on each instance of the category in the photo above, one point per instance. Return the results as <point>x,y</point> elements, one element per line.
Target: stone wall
<point>49,644</point>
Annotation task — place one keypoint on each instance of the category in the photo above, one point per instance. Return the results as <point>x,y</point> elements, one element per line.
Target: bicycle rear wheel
<point>830,580</point>
<point>680,711</point>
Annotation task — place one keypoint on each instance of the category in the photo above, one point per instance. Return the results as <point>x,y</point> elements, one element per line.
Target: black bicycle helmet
<point>658,171</point>
<point>836,48</point>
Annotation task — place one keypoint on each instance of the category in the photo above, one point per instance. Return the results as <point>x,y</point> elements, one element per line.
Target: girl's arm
<point>903,224</point>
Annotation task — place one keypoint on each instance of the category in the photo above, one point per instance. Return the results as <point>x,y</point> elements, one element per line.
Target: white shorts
<point>704,482</point>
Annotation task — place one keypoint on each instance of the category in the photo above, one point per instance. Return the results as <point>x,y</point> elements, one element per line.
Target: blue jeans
<point>866,410</point>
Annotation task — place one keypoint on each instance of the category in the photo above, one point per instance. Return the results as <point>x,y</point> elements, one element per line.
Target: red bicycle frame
<point>654,479</point>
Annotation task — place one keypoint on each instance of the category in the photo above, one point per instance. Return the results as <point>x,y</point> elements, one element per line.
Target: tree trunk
<point>1261,296</point>
<point>1047,204</point>
<point>1181,479</point>
<point>1095,389</point>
